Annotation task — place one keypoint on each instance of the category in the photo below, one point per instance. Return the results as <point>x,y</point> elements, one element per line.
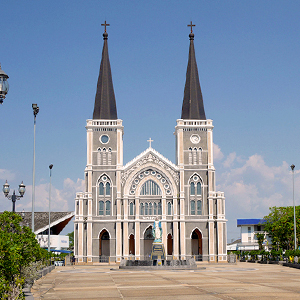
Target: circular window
<point>168,192</point>
<point>141,176</point>
<point>134,186</point>
<point>104,139</point>
<point>166,186</point>
<point>163,180</point>
<point>158,176</point>
<point>104,178</point>
<point>195,138</point>
<point>146,173</point>
<point>136,181</point>
<point>132,192</point>
<point>195,178</point>
<point>153,173</point>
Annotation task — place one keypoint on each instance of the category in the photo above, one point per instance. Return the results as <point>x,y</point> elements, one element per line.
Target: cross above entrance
<point>150,142</point>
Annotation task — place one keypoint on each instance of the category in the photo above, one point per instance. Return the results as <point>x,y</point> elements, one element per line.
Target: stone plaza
<point>208,281</point>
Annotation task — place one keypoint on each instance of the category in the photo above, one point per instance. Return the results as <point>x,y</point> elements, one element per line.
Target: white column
<point>137,239</point>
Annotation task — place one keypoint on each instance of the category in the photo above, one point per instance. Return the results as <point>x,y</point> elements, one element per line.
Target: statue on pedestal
<point>157,231</point>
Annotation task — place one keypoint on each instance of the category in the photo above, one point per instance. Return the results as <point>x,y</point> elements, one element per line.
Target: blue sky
<point>249,67</point>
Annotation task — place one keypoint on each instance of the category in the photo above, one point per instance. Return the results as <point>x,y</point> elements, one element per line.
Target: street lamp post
<point>4,86</point>
<point>13,197</point>
<point>50,168</point>
<point>295,230</point>
<point>35,112</point>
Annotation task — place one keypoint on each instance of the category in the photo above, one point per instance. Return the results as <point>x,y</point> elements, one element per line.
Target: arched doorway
<point>148,240</point>
<point>197,244</point>
<point>104,247</point>
<point>170,244</point>
<point>131,245</point>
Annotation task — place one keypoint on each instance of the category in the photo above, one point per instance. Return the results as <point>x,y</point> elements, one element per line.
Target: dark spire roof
<point>105,102</point>
<point>192,107</point>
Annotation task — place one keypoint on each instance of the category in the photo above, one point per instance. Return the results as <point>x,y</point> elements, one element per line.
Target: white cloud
<point>229,160</point>
<point>218,155</point>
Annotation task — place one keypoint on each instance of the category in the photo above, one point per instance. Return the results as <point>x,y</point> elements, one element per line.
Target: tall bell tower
<point>194,157</point>
<point>102,197</point>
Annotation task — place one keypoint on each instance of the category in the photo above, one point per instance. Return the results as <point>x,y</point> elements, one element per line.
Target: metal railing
<point>103,259</point>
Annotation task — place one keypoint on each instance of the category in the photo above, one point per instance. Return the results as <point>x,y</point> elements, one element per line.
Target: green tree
<point>71,240</point>
<point>280,226</point>
<point>260,239</point>
<point>18,249</point>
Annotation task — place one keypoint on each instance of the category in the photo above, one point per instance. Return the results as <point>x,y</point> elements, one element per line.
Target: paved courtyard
<point>240,281</point>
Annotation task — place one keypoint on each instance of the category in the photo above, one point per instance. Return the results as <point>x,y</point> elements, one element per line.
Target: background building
<point>115,214</point>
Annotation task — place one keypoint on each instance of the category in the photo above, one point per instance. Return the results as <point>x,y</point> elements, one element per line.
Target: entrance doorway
<point>197,244</point>
<point>131,245</point>
<point>170,244</point>
<point>148,240</point>
<point>104,247</point>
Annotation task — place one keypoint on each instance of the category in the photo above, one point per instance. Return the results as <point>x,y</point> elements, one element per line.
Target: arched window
<point>155,209</point>
<point>107,208</point>
<point>192,207</point>
<point>131,209</point>
<point>101,208</point>
<point>107,189</point>
<point>101,189</point>
<point>198,188</point>
<point>146,209</point>
<point>99,157</point>
<point>169,208</point>
<point>192,188</point>
<point>199,207</point>
<point>150,209</point>
<point>150,188</point>
<point>159,208</point>
<point>141,209</point>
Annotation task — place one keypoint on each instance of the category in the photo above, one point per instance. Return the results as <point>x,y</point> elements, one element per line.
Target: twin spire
<point>105,102</point>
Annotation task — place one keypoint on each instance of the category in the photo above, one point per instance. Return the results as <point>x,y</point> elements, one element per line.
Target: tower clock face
<point>195,138</point>
<point>104,139</point>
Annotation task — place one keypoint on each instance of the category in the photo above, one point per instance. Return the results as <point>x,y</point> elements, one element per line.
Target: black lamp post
<point>13,197</point>
<point>3,85</point>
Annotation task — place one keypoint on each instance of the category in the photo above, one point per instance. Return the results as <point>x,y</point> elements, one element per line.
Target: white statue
<point>157,231</point>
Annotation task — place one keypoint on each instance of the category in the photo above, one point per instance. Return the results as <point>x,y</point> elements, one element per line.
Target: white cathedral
<point>115,214</point>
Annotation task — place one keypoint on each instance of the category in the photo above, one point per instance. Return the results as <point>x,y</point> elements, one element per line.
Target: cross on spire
<point>191,25</point>
<point>150,142</point>
<point>105,24</point>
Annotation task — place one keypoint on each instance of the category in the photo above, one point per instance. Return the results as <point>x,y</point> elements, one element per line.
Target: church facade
<point>114,215</point>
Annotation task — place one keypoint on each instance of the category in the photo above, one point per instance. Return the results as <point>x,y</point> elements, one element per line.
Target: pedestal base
<point>158,251</point>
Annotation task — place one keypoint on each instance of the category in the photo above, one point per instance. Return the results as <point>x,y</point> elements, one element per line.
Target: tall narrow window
<point>101,208</point>
<point>101,189</point>
<point>159,208</point>
<point>107,208</point>
<point>200,156</point>
<point>131,209</point>
<point>195,156</point>
<point>141,209</point>
<point>192,188</point>
<point>99,157</point>
<point>199,207</point>
<point>107,189</point>
<point>192,207</point>
<point>169,208</point>
<point>150,209</point>
<point>190,156</point>
<point>109,156</point>
<point>155,209</point>
<point>146,209</point>
<point>198,188</point>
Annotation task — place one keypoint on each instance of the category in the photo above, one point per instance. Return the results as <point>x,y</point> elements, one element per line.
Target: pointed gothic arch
<point>104,243</point>
<point>196,243</point>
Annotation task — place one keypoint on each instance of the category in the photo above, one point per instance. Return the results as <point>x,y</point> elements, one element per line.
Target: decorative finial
<point>105,34</point>
<point>191,35</point>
